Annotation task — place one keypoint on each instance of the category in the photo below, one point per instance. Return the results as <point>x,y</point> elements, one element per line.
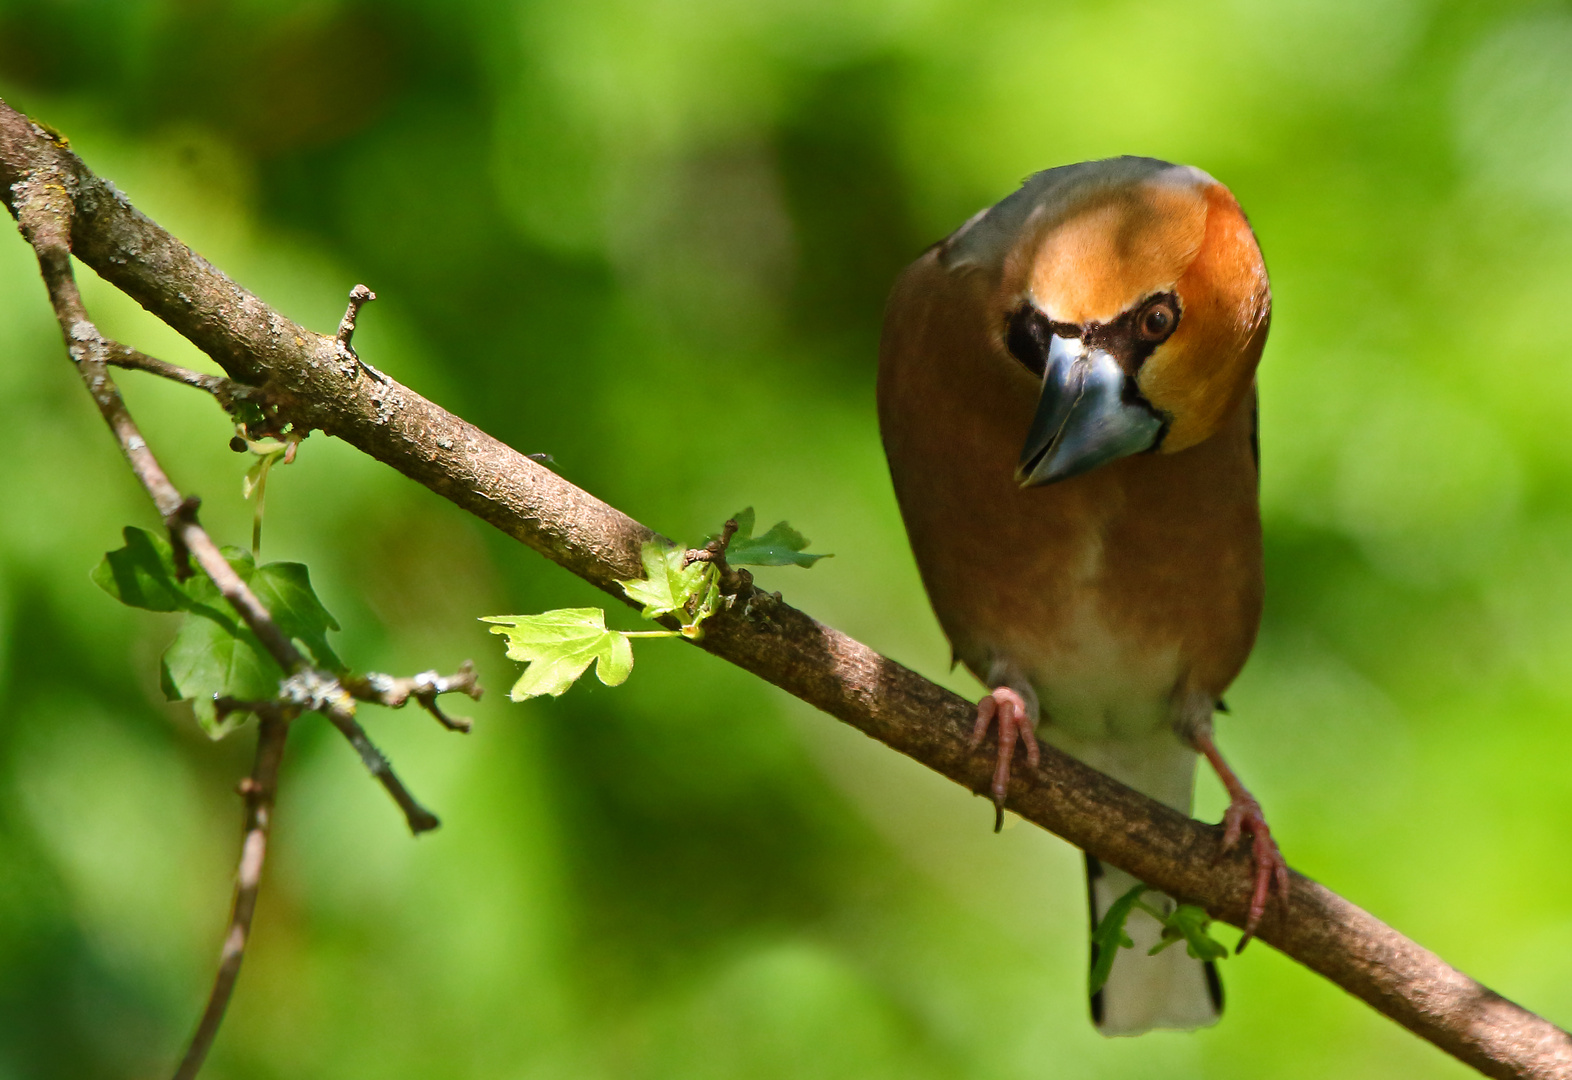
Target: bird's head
<point>1134,289</point>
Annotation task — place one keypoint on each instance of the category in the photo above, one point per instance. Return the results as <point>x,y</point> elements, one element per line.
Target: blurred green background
<point>653,239</point>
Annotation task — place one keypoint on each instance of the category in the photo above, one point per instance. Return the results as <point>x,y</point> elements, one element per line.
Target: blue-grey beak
<point>1089,414</point>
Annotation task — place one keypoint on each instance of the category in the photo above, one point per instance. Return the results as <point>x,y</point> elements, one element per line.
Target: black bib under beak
<point>1087,416</point>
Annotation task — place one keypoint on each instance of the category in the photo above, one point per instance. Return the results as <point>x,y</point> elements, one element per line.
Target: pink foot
<point>1244,816</point>
<point>1015,724</point>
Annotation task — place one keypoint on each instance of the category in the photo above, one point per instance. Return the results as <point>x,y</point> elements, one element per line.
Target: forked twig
<point>45,213</point>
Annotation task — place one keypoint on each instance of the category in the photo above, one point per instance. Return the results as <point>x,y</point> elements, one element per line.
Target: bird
<point>1067,400</point>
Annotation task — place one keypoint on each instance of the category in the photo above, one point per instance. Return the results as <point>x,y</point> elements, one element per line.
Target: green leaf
<point>256,476</point>
<point>667,585</point>
<point>248,414</point>
<point>142,574</point>
<point>215,657</point>
<point>285,590</point>
<point>1109,937</point>
<point>782,545</point>
<point>1188,923</point>
<point>255,483</point>
<point>703,605</point>
<point>559,645</point>
<point>214,654</point>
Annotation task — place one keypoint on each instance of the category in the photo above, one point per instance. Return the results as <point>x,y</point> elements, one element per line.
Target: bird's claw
<point>1244,816</point>
<point>1008,708</point>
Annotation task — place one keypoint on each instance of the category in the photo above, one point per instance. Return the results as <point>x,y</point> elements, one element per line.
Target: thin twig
<point>395,692</point>
<point>228,392</point>
<point>733,582</point>
<point>321,692</point>
<point>259,790</point>
<point>419,818</point>
<point>260,422</point>
<point>256,344</point>
<point>359,297</point>
<point>45,213</point>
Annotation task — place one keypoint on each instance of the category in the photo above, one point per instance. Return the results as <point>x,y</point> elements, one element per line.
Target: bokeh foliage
<point>653,239</point>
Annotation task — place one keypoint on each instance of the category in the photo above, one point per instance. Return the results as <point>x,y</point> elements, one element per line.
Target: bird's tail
<point>1169,990</point>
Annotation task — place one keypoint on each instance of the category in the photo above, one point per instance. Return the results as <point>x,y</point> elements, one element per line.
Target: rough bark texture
<point>320,384</point>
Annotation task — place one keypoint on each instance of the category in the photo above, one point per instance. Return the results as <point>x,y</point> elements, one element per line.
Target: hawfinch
<point>1067,399</point>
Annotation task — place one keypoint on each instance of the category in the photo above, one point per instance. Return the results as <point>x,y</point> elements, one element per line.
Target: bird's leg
<point>1244,816</point>
<point>1015,721</point>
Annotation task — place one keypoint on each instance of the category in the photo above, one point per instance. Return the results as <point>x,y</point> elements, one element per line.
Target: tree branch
<point>359,297</point>
<point>45,212</point>
<point>316,388</point>
<point>259,790</point>
<point>46,215</point>
<point>425,688</point>
<point>418,817</point>
<point>227,392</point>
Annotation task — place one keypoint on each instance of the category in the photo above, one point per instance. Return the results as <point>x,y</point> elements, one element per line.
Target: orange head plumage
<point>1136,291</point>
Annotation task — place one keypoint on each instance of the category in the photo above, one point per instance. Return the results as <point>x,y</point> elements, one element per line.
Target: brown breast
<point>1137,579</point>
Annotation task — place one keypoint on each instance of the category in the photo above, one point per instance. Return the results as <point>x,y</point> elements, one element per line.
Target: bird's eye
<point>1158,320</point>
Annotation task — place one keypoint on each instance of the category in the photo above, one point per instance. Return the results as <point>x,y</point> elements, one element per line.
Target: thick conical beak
<point>1090,413</point>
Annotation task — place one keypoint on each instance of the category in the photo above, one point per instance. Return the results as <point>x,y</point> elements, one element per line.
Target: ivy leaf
<point>1109,936</point>
<point>214,654</point>
<point>1188,923</point>
<point>559,645</point>
<point>782,545</point>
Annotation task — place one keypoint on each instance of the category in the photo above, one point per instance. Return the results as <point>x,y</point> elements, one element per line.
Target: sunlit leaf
<point>559,645</point>
<point>667,585</point>
<point>702,605</point>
